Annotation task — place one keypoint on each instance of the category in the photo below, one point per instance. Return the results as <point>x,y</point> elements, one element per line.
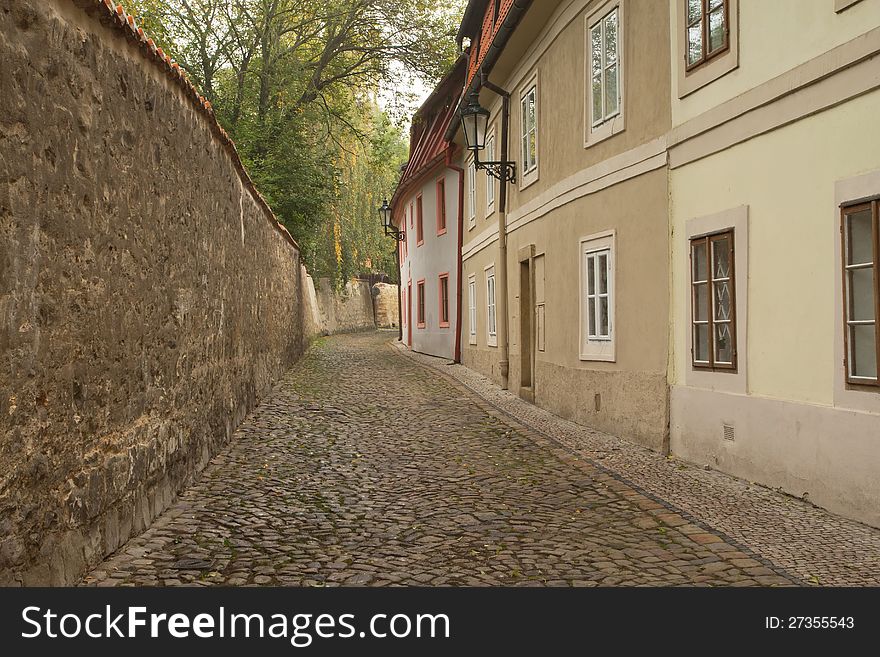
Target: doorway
<point>409,314</point>
<point>526,322</point>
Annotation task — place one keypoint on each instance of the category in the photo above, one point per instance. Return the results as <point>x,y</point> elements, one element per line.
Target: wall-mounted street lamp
<point>391,230</point>
<point>475,125</point>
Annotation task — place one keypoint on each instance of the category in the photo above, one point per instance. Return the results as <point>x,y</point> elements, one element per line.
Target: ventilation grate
<point>728,432</point>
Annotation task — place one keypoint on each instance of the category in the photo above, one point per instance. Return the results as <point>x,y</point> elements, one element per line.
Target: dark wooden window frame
<point>849,208</point>
<point>704,40</point>
<point>708,240</point>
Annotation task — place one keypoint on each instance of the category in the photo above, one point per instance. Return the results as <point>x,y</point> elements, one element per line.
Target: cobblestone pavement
<point>816,546</point>
<point>366,468</point>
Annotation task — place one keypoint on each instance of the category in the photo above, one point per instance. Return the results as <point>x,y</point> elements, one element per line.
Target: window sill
<point>492,342</point>
<point>418,244</point>
<point>605,131</point>
<point>473,340</point>
<point>841,5</point>
<point>444,324</point>
<point>599,358</point>
<point>441,232</point>
<point>420,325</point>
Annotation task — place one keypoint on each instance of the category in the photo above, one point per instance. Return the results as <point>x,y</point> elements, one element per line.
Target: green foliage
<point>295,84</point>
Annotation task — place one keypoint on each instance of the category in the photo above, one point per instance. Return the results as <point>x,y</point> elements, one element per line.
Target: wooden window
<point>420,307</point>
<point>707,30</point>
<point>420,233</point>
<point>490,181</point>
<point>861,291</point>
<point>491,329</point>
<point>529,125</point>
<point>441,206</point>
<point>444,300</point>
<point>597,297</point>
<point>472,308</point>
<point>713,302</point>
<point>605,68</point>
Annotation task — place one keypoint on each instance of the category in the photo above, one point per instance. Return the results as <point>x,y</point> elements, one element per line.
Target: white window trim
<point>491,337</point>
<point>490,181</point>
<point>598,349</point>
<point>471,191</point>
<point>529,177</point>
<point>472,308</point>
<point>616,124</point>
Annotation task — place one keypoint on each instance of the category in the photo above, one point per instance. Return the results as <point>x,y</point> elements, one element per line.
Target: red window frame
<point>420,227</point>
<point>420,307</point>
<point>441,206</point>
<point>443,294</point>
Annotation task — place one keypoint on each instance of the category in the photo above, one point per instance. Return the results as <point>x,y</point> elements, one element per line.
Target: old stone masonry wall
<point>147,295</point>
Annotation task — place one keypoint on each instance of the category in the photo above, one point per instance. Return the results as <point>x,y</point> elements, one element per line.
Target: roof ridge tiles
<point>115,16</point>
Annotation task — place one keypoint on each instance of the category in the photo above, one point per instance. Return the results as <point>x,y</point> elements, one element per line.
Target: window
<point>411,214</point>
<point>444,300</point>
<point>420,292</point>
<point>471,191</point>
<point>441,206</point>
<point>529,125</point>
<point>713,303</point>
<point>861,285</point>
<point>420,234</point>
<point>597,297</point>
<point>472,308</point>
<point>706,30</point>
<point>491,330</point>
<point>490,181</point>
<point>605,68</point>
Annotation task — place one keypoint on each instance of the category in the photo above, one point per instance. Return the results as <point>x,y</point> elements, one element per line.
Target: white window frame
<point>613,124</point>
<point>471,189</point>
<point>472,308</point>
<point>597,347</point>
<point>529,175</point>
<point>491,307</point>
<point>490,181</point>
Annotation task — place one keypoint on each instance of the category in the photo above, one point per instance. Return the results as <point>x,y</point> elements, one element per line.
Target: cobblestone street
<point>368,467</point>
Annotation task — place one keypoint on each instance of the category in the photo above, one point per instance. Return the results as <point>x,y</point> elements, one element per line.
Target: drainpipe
<point>501,269</point>
<point>449,165</point>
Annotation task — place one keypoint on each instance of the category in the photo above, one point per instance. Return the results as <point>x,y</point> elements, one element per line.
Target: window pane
<point>723,344</point>
<point>721,258</point>
<point>591,275</point>
<point>533,149</point>
<point>611,38</point>
<point>859,240</point>
<point>531,99</point>
<point>715,4</point>
<point>861,294</point>
<point>596,49</point>
<point>597,99</point>
<point>603,316</point>
<point>603,273</point>
<point>591,311</point>
<point>699,260</point>
<point>722,300</point>
<point>701,342</point>
<point>863,351</point>
<point>701,302</point>
<point>694,10</point>
<point>611,93</point>
<point>695,43</point>
<point>716,30</point>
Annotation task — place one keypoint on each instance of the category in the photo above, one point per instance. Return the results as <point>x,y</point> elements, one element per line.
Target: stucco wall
<point>147,298</point>
<point>349,309</point>
<point>385,305</point>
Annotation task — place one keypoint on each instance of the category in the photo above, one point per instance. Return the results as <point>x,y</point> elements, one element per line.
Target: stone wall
<point>148,297</point>
<point>350,309</point>
<point>385,305</point>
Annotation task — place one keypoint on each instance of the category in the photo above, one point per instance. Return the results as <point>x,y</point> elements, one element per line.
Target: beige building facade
<point>775,153</point>
<point>586,320</point>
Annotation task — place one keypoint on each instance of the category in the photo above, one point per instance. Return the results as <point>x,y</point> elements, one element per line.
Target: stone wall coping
<point>125,27</point>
